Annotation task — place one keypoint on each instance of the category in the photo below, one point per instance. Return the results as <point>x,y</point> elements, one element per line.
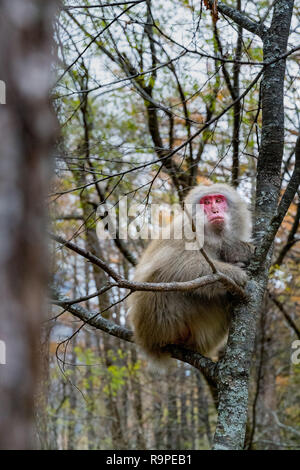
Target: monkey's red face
<point>215,207</point>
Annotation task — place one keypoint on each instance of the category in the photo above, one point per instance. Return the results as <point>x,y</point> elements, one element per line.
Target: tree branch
<point>241,19</point>
<point>193,284</point>
<point>204,364</point>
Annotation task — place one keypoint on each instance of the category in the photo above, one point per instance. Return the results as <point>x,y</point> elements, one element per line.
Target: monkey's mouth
<point>217,220</point>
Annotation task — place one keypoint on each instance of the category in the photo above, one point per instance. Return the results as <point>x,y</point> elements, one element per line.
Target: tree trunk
<point>234,369</point>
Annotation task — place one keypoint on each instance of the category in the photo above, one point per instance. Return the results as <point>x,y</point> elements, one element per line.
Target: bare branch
<point>86,297</point>
<point>291,240</point>
<point>97,36</point>
<point>177,149</point>
<point>288,318</point>
<point>69,217</point>
<point>101,5</point>
<point>285,203</point>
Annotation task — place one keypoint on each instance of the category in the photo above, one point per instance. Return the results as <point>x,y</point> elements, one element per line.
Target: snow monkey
<point>198,319</point>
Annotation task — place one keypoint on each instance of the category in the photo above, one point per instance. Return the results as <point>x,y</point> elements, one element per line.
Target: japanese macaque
<point>197,319</point>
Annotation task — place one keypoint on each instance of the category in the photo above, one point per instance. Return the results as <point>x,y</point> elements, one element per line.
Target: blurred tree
<point>27,130</point>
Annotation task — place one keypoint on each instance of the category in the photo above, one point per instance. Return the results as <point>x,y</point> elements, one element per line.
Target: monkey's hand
<point>233,271</point>
<point>238,275</point>
<point>241,265</point>
<point>238,253</point>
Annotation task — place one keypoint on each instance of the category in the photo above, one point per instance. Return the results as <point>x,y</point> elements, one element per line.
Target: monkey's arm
<point>233,271</point>
<point>238,253</point>
<point>167,262</point>
<point>183,265</point>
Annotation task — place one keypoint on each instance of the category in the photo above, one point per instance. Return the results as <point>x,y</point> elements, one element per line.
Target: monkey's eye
<point>206,201</point>
<point>220,199</point>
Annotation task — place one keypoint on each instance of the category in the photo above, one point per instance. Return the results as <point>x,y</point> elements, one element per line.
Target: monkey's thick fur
<point>197,319</point>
